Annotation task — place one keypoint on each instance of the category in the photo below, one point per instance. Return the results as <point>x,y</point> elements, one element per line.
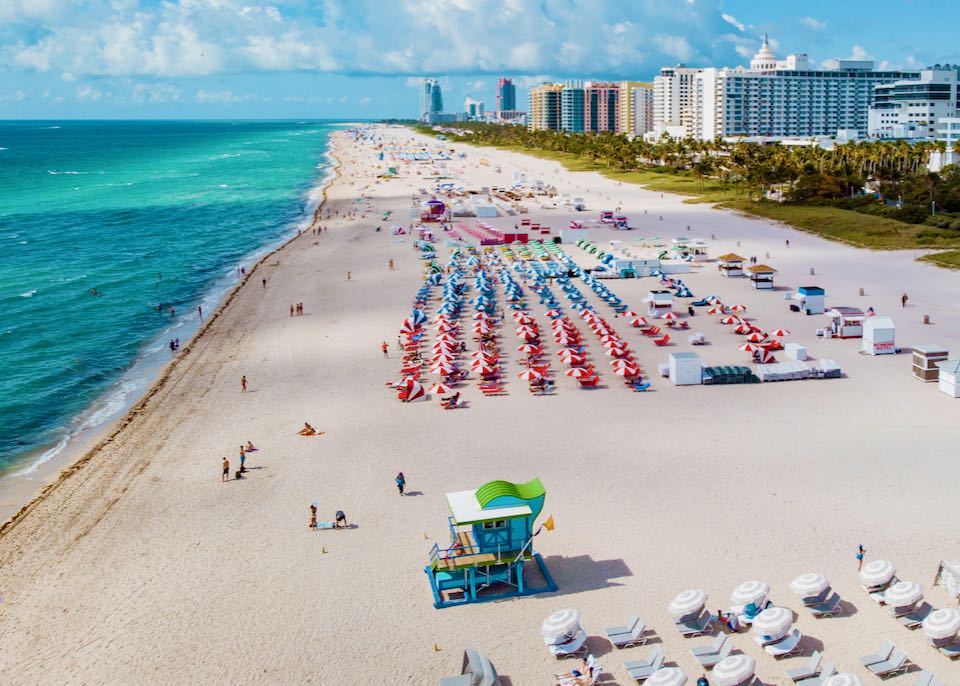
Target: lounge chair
<point>697,627</point>
<point>927,679</point>
<point>708,661</point>
<point>882,655</point>
<point>828,609</point>
<point>640,386</point>
<point>818,599</point>
<point>788,646</point>
<point>951,650</point>
<point>914,619</point>
<point>662,341</point>
<point>477,670</point>
<point>640,670</point>
<point>710,648</point>
<point>809,669</point>
<point>589,382</point>
<point>820,679</point>
<point>628,636</point>
<point>898,662</point>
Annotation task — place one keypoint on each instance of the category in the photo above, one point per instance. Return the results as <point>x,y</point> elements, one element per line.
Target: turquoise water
<point>146,213</point>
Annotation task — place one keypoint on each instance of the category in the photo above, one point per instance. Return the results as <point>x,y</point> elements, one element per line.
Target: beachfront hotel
<point>431,99</point>
<point>591,107</point>
<point>546,109</point>
<point>793,98</point>
<point>506,95</point>
<point>636,108</point>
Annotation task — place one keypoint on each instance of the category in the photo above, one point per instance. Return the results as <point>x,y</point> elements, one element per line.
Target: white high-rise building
<point>473,108</point>
<point>773,98</point>
<point>636,108</point>
<point>910,108</point>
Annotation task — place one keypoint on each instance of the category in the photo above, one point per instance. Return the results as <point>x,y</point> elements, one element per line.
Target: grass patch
<point>949,259</point>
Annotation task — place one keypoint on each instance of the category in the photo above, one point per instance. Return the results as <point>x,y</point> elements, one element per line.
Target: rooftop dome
<point>764,59</point>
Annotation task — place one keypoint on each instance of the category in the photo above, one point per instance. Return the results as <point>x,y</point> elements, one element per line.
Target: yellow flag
<point>548,525</point>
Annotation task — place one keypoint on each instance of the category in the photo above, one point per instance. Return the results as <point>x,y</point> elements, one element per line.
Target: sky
<point>345,59</point>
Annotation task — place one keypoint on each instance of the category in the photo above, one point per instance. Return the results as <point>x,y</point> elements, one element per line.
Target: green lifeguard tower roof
<point>497,500</point>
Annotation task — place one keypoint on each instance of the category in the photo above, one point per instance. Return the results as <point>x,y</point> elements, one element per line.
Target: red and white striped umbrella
<point>742,329</point>
<point>483,368</point>
<point>730,319</point>
<point>529,349</point>
<point>670,316</point>
<point>526,329</point>
<point>530,336</point>
<point>739,308</point>
<point>443,357</point>
<point>630,314</point>
<point>439,389</point>
<point>623,362</point>
<point>749,347</point>
<point>442,367</point>
<point>638,321</point>
<point>564,351</point>
<point>479,353</point>
<point>756,337</point>
<point>616,352</point>
<point>573,360</point>
<point>481,315</point>
<point>610,338</point>
<point>482,328</point>
<point>530,375</point>
<point>779,333</point>
<point>614,343</point>
<point>443,325</point>
<point>553,313</point>
<point>715,310</point>
<point>577,372</point>
<point>626,371</point>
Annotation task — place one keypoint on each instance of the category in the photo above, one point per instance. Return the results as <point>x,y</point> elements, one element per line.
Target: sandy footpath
<point>142,567</point>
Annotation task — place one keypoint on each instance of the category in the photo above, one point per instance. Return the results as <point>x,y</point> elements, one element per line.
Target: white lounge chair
<point>820,679</point>
<point>882,655</point>
<point>788,646</point>
<point>628,636</point>
<point>710,648</point>
<point>708,661</point>
<point>927,679</point>
<point>810,668</point>
<point>641,670</point>
<point>898,662</point>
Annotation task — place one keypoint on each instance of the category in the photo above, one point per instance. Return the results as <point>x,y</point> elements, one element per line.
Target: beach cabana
<point>685,369</point>
<point>809,300</point>
<point>491,545</point>
<point>761,277</point>
<point>925,359</point>
<point>731,264</point>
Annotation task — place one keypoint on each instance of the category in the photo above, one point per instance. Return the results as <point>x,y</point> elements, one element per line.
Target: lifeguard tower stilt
<point>491,541</point>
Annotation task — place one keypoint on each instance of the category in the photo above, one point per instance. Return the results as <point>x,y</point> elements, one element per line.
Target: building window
<point>498,524</point>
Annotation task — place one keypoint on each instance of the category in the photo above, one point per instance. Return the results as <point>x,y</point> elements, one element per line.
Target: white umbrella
<point>843,679</point>
<point>903,593</point>
<point>687,602</point>
<point>877,572</point>
<point>733,670</point>
<point>773,622</point>
<point>750,592</point>
<point>809,584</point>
<point>667,676</point>
<point>942,623</point>
<point>561,623</point>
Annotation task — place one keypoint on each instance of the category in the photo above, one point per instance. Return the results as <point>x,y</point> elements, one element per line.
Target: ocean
<point>147,213</point>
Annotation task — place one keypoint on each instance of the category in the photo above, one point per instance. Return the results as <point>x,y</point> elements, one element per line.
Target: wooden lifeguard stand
<point>491,542</point>
<point>731,264</point>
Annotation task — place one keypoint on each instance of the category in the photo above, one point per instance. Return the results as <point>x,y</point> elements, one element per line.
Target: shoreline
<point>79,449</point>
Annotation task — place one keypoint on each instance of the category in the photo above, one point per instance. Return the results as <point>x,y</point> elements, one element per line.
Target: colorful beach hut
<point>761,276</point>
<point>731,264</point>
<point>491,545</point>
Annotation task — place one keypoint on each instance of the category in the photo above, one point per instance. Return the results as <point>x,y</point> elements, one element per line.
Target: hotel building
<point>545,107</point>
<point>636,108</point>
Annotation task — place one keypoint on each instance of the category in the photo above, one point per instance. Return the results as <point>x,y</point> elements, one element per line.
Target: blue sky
<point>363,58</point>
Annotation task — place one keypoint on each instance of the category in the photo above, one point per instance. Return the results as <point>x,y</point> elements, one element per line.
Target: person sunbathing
<point>452,401</point>
<point>308,430</point>
<point>250,447</point>
<point>578,677</point>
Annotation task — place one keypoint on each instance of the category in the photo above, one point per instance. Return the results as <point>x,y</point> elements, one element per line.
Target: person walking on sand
<point>401,481</point>
<point>384,347</point>
<point>348,275</point>
<point>226,470</point>
<point>313,515</point>
<point>264,282</point>
<point>243,458</point>
<point>903,300</point>
<point>391,264</point>
<point>291,310</point>
<point>860,552</point>
<point>243,383</point>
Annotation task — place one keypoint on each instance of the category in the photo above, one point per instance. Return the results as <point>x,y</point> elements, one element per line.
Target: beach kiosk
<point>761,277</point>
<point>925,359</point>
<point>685,369</point>
<point>659,303</point>
<point>879,336</point>
<point>491,545</point>
<point>845,322</point>
<point>809,300</point>
<point>950,377</point>
<point>730,265</point>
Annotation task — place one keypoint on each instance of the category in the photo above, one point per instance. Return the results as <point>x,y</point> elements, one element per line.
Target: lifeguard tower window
<point>498,524</point>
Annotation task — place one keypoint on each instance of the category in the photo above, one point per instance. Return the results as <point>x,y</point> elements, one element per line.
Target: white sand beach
<point>140,565</point>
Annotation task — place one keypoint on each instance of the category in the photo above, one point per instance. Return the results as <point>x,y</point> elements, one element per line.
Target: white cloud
<point>366,100</point>
<point>858,52</point>
<point>220,97</point>
<point>88,93</point>
<point>673,46</point>
<point>15,96</point>
<point>154,93</point>
<point>813,24</point>
<point>732,20</point>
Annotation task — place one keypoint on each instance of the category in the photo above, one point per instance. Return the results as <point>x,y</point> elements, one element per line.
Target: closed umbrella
<point>809,584</point>
<point>942,623</point>
<point>687,603</point>
<point>877,573</point>
<point>733,670</point>
<point>773,623</point>
<point>750,592</point>
<point>903,594</point>
<point>560,624</point>
<point>667,676</point>
<point>843,679</point>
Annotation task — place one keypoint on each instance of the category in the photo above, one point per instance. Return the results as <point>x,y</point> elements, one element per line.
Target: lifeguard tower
<point>731,265</point>
<point>491,542</point>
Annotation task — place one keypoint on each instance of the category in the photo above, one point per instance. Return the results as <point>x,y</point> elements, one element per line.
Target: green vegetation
<point>823,189</point>
<point>949,259</point>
